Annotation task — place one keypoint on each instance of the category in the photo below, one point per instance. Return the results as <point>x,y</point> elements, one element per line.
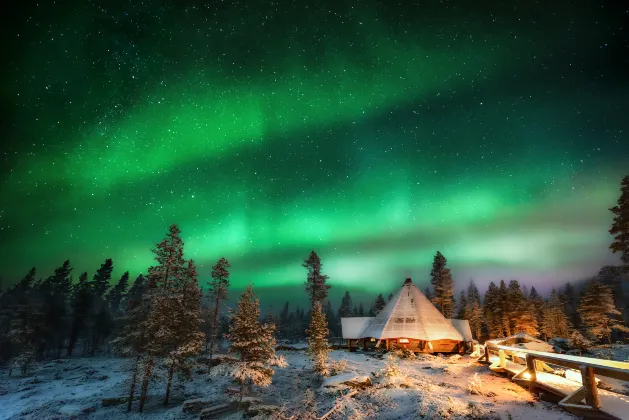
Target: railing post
<point>503,361</point>
<point>589,383</point>
<point>530,366</point>
<point>486,353</point>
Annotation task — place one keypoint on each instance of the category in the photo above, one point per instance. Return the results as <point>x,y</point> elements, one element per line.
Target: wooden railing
<point>526,364</point>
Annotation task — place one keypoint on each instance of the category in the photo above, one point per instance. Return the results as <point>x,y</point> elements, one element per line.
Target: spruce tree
<point>515,307</point>
<point>318,340</point>
<point>284,322</point>
<point>345,310</point>
<point>164,280</point>
<point>316,286</point>
<point>599,313</point>
<point>441,279</point>
<point>462,306</point>
<point>390,297</point>
<point>81,303</point>
<point>361,309</point>
<point>218,288</point>
<point>333,324</point>
<point>378,305</point>
<point>473,311</point>
<point>253,344</point>
<point>620,227</point>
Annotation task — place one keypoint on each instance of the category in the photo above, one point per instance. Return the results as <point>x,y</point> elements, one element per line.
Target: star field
<point>372,132</point>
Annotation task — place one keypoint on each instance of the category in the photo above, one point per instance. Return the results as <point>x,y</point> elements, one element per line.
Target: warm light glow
<point>526,375</point>
<point>373,339</point>
<point>403,340</point>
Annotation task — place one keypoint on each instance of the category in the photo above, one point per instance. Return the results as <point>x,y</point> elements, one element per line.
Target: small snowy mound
<point>345,381</point>
<point>523,341</point>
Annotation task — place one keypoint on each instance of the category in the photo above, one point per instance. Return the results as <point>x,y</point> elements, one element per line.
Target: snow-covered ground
<point>428,387</point>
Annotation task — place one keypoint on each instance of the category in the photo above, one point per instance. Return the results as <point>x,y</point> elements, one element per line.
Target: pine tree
<point>515,307</point>
<point>555,323</point>
<point>81,303</point>
<point>186,324</point>
<point>462,306</point>
<point>473,311</point>
<point>538,304</point>
<point>345,310</point>
<point>133,338</point>
<point>101,322</point>
<point>599,313</point>
<point>428,293</point>
<point>25,324</point>
<point>164,280</point>
<point>441,279</point>
<point>52,295</point>
<point>378,305</point>
<point>316,286</point>
<point>284,322</point>
<point>390,297</point>
<point>318,340</point>
<point>115,295</point>
<point>620,227</point>
<point>361,309</point>
<point>525,319</point>
<point>491,311</point>
<point>252,343</point>
<point>219,286</point>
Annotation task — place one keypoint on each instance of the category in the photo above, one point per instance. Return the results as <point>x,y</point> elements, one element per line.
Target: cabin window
<point>403,340</point>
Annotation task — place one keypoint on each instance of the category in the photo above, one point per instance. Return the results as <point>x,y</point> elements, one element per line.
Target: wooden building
<point>409,320</point>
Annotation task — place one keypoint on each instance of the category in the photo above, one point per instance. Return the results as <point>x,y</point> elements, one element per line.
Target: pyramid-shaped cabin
<point>409,320</point>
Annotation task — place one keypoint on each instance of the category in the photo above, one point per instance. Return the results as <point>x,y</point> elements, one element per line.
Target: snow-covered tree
<point>186,324</point>
<point>164,280</point>
<point>474,315</point>
<point>441,279</point>
<point>218,288</point>
<point>318,340</point>
<point>316,285</point>
<point>555,322</point>
<point>620,227</point>
<point>52,297</point>
<point>579,342</point>
<point>525,318</point>
<point>599,313</point>
<point>252,343</point>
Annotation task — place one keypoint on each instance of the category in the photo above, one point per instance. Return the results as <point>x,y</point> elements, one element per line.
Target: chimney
<point>408,280</point>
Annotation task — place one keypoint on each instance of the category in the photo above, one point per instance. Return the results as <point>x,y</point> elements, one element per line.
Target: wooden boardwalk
<point>578,390</point>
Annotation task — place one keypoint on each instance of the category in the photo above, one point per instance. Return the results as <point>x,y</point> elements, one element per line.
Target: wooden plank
<point>589,383</point>
<point>574,398</point>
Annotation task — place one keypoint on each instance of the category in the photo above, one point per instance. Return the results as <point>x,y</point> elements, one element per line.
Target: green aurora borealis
<point>374,133</point>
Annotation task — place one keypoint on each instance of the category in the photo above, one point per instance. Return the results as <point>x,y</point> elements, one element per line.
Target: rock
<point>113,401</point>
<point>195,406</point>
<point>264,409</point>
<point>70,410</point>
<point>215,411</point>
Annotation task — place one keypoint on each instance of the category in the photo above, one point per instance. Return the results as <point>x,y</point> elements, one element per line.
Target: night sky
<point>372,132</point>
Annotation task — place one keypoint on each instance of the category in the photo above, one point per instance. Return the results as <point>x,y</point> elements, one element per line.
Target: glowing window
<point>403,340</point>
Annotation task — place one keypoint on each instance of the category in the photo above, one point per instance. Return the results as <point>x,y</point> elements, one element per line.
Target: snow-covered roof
<point>354,326</point>
<point>410,314</point>
<point>463,326</point>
